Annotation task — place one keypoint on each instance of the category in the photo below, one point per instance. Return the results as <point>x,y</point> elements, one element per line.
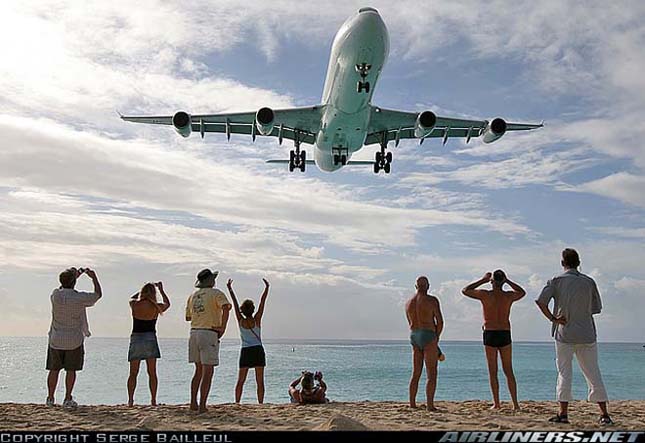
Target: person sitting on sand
<point>143,340</point>
<point>576,300</point>
<point>496,304</point>
<point>310,393</point>
<point>207,310</point>
<point>252,354</point>
<point>426,323</point>
<point>68,330</point>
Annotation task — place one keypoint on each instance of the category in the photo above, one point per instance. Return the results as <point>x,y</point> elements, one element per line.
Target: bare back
<point>496,305</point>
<point>421,311</point>
<point>144,310</point>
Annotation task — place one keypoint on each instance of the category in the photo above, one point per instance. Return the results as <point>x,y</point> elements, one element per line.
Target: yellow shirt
<point>205,308</point>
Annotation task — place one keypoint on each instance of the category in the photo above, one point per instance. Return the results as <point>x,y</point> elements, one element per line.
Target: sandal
<point>605,420</point>
<point>559,419</point>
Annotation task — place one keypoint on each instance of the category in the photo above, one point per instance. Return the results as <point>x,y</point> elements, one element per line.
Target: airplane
<point>345,120</point>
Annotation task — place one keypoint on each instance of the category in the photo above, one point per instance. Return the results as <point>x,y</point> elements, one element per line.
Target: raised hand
<point>90,272</point>
<point>229,283</point>
<point>159,285</point>
<point>266,282</point>
<point>487,276</point>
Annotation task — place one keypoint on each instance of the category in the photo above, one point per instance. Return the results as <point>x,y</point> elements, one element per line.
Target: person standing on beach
<point>496,304</point>
<point>143,340</point>
<point>426,323</point>
<point>207,310</point>
<point>68,330</point>
<point>576,301</point>
<point>252,354</point>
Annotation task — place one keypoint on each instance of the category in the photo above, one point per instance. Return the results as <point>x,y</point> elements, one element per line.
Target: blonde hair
<point>149,292</point>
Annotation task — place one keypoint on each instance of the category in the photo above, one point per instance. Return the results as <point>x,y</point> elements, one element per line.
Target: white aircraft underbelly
<point>362,39</point>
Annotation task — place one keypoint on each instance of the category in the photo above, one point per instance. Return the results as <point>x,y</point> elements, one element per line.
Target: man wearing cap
<point>207,310</point>
<point>68,330</point>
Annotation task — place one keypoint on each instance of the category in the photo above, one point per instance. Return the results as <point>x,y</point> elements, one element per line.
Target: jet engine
<point>264,120</point>
<point>425,123</point>
<point>494,130</point>
<point>182,123</point>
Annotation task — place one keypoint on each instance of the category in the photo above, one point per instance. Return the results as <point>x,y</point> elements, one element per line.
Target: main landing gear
<point>363,69</point>
<point>297,158</point>
<point>383,160</point>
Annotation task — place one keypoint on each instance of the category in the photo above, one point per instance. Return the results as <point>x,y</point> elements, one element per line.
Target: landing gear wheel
<point>292,161</point>
<point>343,159</point>
<point>388,157</point>
<point>378,158</point>
<point>363,86</point>
<point>336,159</point>
<point>303,160</point>
<point>386,168</point>
<point>377,168</point>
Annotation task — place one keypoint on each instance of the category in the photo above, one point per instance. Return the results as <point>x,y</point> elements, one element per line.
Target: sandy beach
<point>467,415</point>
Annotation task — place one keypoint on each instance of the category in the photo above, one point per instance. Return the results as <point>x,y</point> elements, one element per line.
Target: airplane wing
<point>304,121</point>
<point>399,125</point>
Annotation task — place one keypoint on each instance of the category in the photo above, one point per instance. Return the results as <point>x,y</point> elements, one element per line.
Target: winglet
<point>120,115</point>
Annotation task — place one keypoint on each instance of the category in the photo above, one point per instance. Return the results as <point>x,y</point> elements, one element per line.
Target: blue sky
<point>80,187</point>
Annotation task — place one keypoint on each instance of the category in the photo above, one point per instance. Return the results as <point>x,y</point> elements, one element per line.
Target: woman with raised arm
<point>252,354</point>
<point>143,341</point>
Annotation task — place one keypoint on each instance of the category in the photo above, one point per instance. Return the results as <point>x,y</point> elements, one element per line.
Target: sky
<point>80,187</point>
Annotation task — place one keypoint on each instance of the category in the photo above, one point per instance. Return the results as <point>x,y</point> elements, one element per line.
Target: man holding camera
<point>68,330</point>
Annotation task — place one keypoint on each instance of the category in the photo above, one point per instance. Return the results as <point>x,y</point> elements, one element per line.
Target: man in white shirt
<point>68,330</point>
<point>576,301</point>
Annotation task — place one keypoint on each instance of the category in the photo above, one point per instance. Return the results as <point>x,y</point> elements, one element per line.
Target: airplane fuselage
<point>362,40</point>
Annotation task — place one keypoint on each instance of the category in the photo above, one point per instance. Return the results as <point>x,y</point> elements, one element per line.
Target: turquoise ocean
<point>354,371</point>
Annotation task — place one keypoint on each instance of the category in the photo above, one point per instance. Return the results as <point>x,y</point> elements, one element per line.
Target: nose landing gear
<point>363,69</point>
<point>340,156</point>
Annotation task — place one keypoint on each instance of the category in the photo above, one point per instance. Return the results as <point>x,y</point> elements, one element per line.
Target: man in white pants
<point>576,300</point>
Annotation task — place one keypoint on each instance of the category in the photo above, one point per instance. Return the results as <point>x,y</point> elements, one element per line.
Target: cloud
<point>622,186</point>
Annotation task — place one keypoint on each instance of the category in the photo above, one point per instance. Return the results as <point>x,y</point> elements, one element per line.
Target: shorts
<point>497,339</point>
<point>143,345</point>
<point>253,357</point>
<point>69,360</point>
<point>203,347</point>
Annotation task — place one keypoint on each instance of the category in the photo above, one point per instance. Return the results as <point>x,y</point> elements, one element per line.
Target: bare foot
<point>413,405</point>
<point>130,403</point>
<point>194,407</point>
<point>496,407</point>
<point>517,408</point>
<point>431,408</point>
<point>153,403</point>
<point>203,409</point>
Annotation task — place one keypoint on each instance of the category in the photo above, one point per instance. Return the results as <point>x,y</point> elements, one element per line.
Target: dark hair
<point>307,381</point>
<point>247,307</point>
<point>570,258</point>
<point>67,278</point>
<point>499,276</point>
